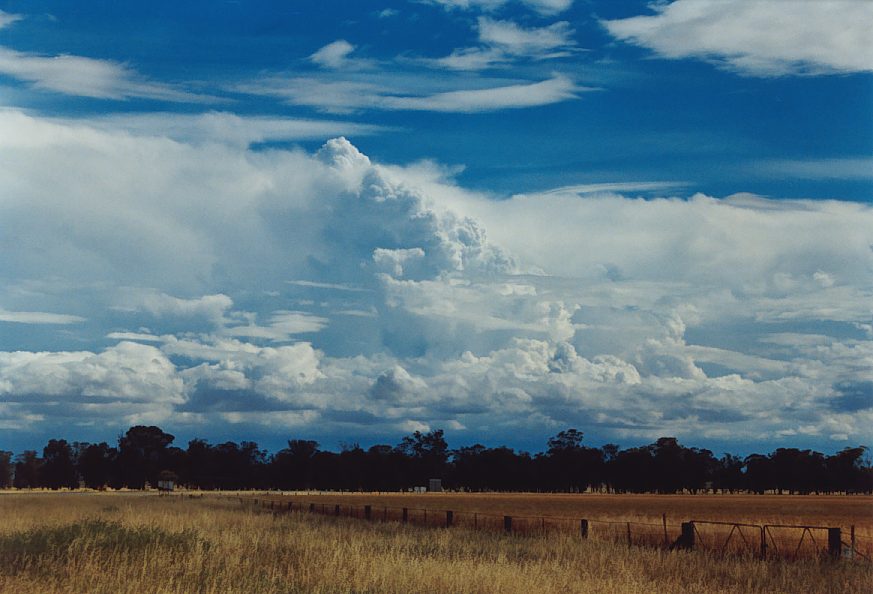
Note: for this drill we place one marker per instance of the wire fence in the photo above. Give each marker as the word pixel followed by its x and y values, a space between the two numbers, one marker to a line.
pixel 761 541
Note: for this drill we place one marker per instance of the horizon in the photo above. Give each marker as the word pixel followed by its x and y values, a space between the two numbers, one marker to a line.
pixel 502 218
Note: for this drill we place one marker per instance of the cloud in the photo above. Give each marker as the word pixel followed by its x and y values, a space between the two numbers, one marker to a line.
pixel 7 18
pixel 554 90
pixel 860 168
pixel 242 286
pixel 506 41
pixel 224 127
pixel 88 77
pixel 544 7
pixel 761 38
pixel 517 40
pixel 282 326
pixel 38 317
pixel 348 96
pixel 125 372
pixel 335 56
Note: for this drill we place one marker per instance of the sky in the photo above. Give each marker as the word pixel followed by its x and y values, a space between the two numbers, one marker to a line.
pixel 349 221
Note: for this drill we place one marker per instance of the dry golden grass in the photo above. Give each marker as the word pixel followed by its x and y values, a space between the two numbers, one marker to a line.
pixel 823 510
pixel 126 543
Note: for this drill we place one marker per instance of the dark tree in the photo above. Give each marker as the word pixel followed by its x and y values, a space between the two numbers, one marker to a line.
pixel 59 466
pixel 6 469
pixel 27 470
pixel 427 454
pixel 96 464
pixel 292 467
pixel 569 466
pixel 142 454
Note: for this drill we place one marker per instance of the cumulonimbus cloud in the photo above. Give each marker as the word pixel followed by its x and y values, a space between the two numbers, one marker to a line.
pixel 216 281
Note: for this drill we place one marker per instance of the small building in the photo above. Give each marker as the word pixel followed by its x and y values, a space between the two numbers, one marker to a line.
pixel 435 486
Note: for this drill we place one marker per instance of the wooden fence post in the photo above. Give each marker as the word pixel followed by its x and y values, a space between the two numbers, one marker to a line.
pixel 666 537
pixel 368 512
pixel 629 541
pixel 583 528
pixel 763 543
pixel 312 508
pixel 290 506
pixel 336 509
pixel 688 536
pixel 507 524
pixel 405 516
pixel 835 543
pixel 450 516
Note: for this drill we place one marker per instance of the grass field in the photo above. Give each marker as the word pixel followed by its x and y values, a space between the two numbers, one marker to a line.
pixel 836 510
pixel 126 543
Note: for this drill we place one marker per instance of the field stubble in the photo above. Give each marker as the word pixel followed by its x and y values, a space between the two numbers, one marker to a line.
pixel 53 543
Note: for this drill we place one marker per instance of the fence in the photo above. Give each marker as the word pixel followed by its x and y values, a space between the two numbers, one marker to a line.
pixel 761 541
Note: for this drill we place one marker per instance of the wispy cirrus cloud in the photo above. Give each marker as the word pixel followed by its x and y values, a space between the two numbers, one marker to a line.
pixel 38 317
pixel 545 7
pixel 505 41
pixel 760 38
pixel 347 96
pixel 7 18
pixel 89 77
pixel 848 168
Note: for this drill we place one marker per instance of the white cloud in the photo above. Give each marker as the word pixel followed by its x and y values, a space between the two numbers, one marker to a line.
pixel 211 307
pixel 224 127
pixel 517 40
pixel 545 7
pixel 759 38
pixel 88 77
pixel 335 56
pixel 554 90
pixel 125 372
pixel 282 326
pixel 422 302
pixel 38 317
pixel 7 18
pixel 506 41
pixel 346 96
pixel 858 168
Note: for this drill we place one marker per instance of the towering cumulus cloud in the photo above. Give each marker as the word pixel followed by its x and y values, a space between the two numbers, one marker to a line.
pixel 207 283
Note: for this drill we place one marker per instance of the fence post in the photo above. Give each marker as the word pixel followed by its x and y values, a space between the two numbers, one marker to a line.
pixel 450 516
pixel 290 506
pixel 583 528
pixel 852 539
pixel 336 509
pixel 368 512
pixel 507 524
pixel 405 516
pixel 835 543
pixel 666 537
pixel 688 536
pixel 763 543
pixel 312 508
pixel 629 541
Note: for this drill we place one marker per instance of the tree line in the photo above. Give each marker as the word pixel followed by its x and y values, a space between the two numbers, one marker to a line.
pixel 144 455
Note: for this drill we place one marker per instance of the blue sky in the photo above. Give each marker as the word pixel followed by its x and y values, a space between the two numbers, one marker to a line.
pixel 348 221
